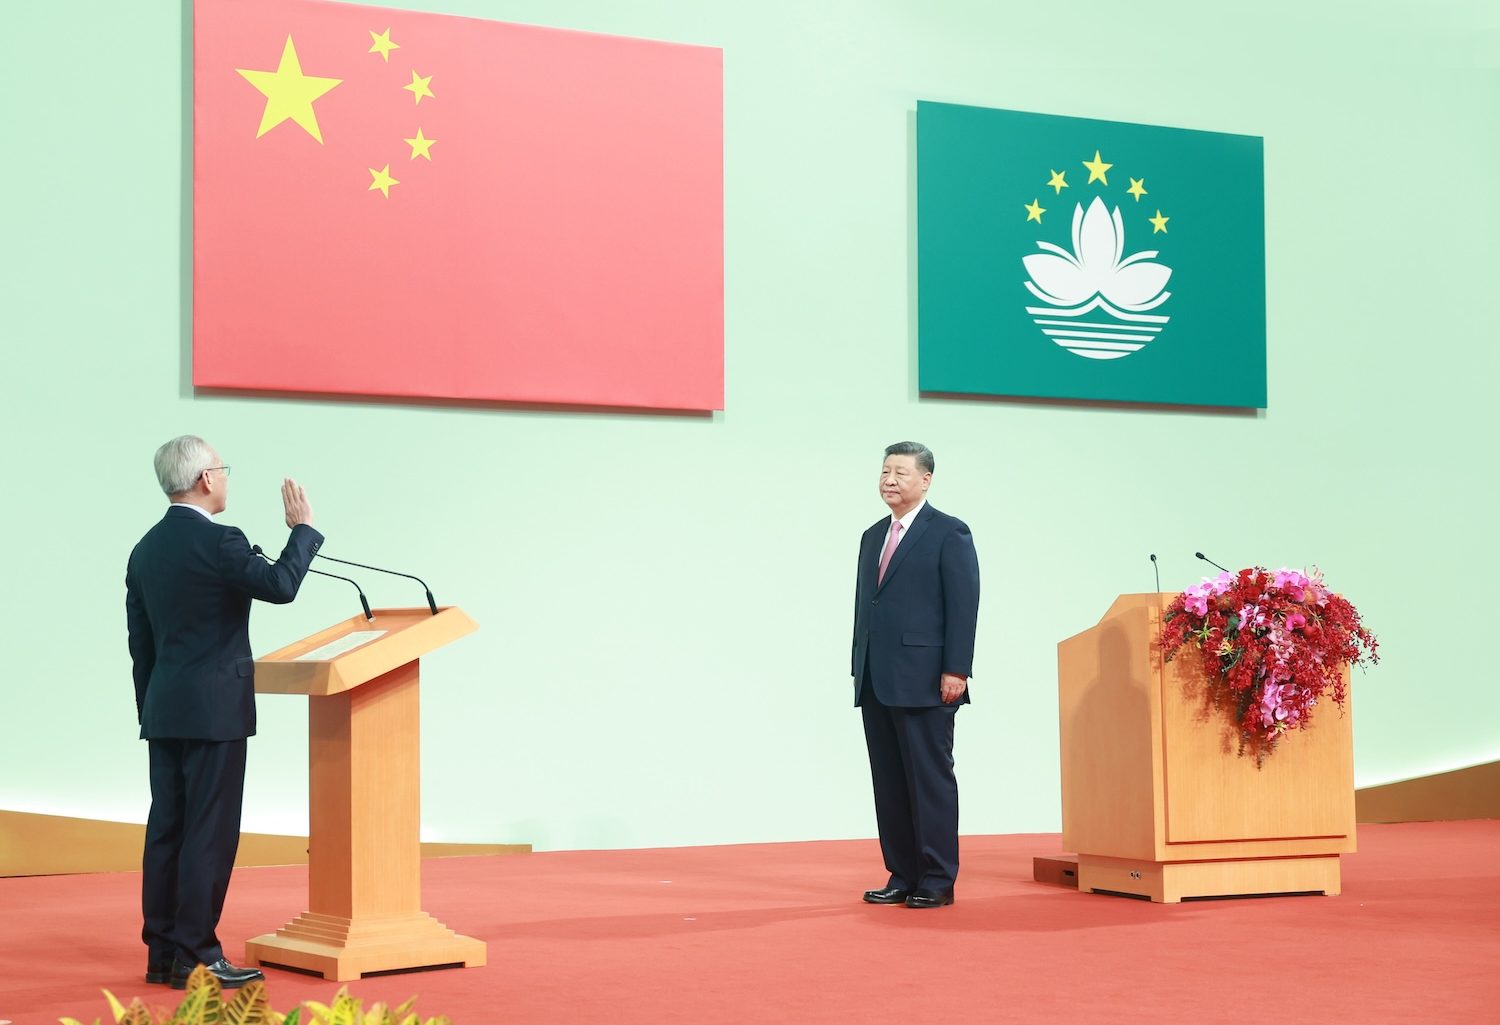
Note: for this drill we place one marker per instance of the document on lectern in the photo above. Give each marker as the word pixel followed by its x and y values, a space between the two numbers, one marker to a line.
pixel 335 648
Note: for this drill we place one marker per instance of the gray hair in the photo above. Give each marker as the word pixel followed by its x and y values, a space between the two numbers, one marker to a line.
pixel 181 461
pixel 913 448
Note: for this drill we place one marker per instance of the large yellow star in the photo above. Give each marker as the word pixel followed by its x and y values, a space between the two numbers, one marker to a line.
pixel 420 147
pixel 1034 211
pixel 1137 188
pixel 1059 182
pixel 418 87
pixel 382 181
pixel 1158 223
pixel 383 45
pixel 1097 168
pixel 289 93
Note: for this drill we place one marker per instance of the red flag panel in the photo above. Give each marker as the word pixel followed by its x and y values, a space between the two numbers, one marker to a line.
pixel 405 204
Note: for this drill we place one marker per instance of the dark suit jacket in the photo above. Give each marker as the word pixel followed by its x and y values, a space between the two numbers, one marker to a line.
pixel 188 588
pixel 919 622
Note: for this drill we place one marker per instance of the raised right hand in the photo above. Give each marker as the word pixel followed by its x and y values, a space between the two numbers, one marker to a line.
pixel 298 508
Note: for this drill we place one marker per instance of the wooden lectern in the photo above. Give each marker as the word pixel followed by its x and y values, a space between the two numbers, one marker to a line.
pixel 364 859
pixel 1156 799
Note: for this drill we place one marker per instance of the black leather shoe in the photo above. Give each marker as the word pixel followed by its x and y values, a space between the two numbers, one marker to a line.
pixel 886 895
pixel 159 969
pixel 228 975
pixel 929 898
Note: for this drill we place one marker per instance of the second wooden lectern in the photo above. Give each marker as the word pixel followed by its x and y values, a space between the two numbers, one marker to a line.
pixel 1157 800
pixel 364 858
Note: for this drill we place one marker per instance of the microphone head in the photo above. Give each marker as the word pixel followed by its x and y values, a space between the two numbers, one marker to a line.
pixel 1153 556
pixel 1200 555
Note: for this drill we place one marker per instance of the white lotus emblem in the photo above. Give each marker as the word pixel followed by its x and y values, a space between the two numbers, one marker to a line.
pixel 1094 277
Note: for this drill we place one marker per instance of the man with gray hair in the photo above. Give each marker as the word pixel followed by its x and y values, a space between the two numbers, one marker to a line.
pixel 188 588
pixel 916 610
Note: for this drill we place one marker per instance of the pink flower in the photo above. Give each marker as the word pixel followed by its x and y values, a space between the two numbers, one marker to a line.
pixel 1316 593
pixel 1195 598
pixel 1270 704
pixel 1296 621
pixel 1291 582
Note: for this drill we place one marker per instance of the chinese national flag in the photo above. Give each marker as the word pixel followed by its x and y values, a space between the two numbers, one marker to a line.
pixel 403 204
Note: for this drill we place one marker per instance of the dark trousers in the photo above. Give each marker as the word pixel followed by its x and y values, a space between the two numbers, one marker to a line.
pixel 192 835
pixel 916 792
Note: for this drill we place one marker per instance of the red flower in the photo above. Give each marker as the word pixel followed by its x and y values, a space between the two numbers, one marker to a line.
pixel 1298 645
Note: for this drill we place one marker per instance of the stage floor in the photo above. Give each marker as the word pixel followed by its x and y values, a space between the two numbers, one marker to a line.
pixel 777 933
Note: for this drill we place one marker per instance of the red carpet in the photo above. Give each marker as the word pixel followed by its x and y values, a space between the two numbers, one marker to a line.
pixel 776 933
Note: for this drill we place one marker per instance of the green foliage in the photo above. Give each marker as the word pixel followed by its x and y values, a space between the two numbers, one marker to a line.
pixel 346 1010
pixel 204 1004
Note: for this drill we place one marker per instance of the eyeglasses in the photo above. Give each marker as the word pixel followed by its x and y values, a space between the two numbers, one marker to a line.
pixel 224 469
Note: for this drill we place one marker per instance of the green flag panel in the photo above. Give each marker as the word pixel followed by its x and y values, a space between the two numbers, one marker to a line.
pixel 1061 257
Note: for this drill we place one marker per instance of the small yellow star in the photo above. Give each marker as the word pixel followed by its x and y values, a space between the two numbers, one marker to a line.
pixel 383 45
pixel 1034 211
pixel 1159 223
pixel 1097 168
pixel 1058 182
pixel 289 93
pixel 383 181
pixel 1137 188
pixel 418 87
pixel 420 147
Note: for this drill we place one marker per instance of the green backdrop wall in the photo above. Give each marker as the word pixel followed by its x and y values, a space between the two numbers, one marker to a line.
pixel 665 601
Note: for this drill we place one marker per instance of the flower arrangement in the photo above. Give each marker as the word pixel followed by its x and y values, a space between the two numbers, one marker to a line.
pixel 1272 643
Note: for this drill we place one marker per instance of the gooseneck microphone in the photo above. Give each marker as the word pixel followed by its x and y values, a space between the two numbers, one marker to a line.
pixel 430 603
pixel 362 599
pixel 1210 561
pixel 1157 570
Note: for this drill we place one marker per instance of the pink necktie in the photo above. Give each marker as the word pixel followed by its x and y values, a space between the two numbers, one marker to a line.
pixel 890 549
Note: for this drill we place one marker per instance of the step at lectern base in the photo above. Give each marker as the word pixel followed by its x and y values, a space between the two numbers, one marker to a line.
pixel 1170 882
pixel 342 950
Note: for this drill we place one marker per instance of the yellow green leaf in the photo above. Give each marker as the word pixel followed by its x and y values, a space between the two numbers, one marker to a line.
pixel 345 1009
pixel 248 1007
pixel 136 1014
pixel 115 1007
pixel 203 981
pixel 190 1011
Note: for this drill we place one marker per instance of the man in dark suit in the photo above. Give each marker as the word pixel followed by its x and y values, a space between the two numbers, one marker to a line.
pixel 188 588
pixel 916 607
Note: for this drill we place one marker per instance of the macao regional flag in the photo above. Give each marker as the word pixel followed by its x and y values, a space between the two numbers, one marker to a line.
pixel 1063 257
pixel 389 203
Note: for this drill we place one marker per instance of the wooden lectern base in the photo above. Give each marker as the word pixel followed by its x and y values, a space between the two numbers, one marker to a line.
pixel 1060 869
pixel 1169 882
pixel 364 859
pixel 342 950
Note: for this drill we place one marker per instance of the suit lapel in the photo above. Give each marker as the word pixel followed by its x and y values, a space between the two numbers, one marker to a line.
pixel 869 565
pixel 918 527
